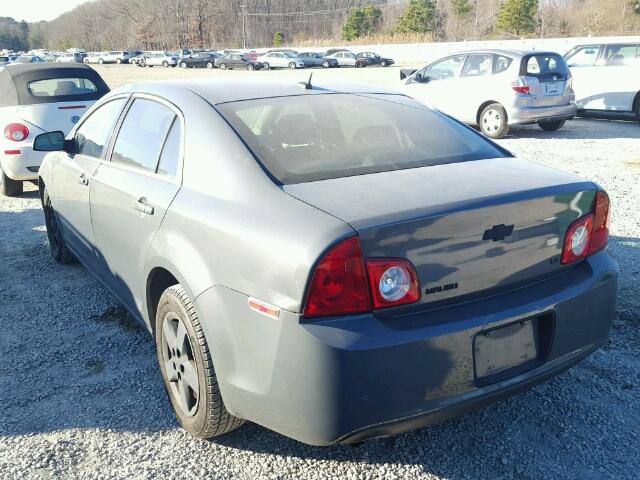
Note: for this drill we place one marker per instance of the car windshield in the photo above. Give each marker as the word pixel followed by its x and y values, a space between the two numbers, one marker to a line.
pixel 58 87
pixel 315 137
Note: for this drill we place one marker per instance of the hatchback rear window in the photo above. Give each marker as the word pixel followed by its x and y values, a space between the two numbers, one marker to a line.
pixel 59 87
pixel 315 137
pixel 544 64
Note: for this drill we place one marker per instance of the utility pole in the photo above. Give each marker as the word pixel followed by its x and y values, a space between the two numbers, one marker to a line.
pixel 244 26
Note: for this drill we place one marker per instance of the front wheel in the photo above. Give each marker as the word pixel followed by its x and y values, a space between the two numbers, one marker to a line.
pixel 325 64
pixel 165 64
pixel 187 368
pixel 209 65
pixel 265 65
pixel 100 61
pixel 118 61
pixel 223 66
pixel 8 186
pixel 551 126
pixel 384 64
pixel 249 67
pixel 183 65
pixel 59 250
pixel 493 121
pixel 292 65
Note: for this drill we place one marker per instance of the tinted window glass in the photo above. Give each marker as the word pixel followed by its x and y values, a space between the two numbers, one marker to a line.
pixel 477 65
pixel 541 65
pixel 583 57
pixel 55 87
pixel 142 135
pixel 92 135
pixel 315 137
pixel 616 55
pixel 170 156
pixel 446 68
pixel 500 63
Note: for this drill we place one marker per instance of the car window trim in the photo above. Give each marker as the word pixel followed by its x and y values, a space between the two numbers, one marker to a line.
pixel 177 179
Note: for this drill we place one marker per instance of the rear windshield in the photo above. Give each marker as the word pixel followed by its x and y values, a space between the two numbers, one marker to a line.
pixel 314 137
pixel 58 87
pixel 545 65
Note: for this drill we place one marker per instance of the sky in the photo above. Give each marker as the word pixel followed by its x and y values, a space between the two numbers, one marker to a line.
pixel 36 10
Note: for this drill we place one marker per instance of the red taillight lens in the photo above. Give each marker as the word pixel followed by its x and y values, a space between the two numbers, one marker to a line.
pixel 520 85
pixel 600 234
pixel 393 282
pixel 16 132
pixel 339 283
pixel 577 239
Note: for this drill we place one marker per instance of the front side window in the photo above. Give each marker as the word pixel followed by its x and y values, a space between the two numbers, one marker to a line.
pixel 142 135
pixel 477 65
pixel 316 137
pixel 445 69
pixel 583 56
pixel 58 87
pixel 94 132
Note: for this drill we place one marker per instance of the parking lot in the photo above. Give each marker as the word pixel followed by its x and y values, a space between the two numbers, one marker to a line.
pixel 82 397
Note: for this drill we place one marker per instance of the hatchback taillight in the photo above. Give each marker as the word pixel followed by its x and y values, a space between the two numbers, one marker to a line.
pixel 589 234
pixel 344 283
pixel 520 85
pixel 16 132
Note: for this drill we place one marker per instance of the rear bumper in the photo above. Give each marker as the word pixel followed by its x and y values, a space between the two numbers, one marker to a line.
pixel 23 166
pixel 523 115
pixel 349 379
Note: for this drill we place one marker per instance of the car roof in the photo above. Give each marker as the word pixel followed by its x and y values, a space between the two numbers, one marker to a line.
pixel 503 51
pixel 216 91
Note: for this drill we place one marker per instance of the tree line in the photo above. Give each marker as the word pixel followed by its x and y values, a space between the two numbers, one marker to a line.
pixel 172 24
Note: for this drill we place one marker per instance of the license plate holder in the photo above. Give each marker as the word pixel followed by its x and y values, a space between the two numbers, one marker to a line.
pixel 504 351
pixel 552 87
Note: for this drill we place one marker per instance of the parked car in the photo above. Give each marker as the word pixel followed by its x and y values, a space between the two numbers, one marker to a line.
pixel 283 50
pixel 331 51
pixel 348 59
pixel 4 60
pixel 37 98
pixel 199 60
pixel 315 59
pixel 274 297
pixel 235 60
pixel 76 57
pixel 94 57
pixel 374 59
pixel 156 59
pixel 606 77
pixel 115 57
pixel 280 60
pixel 496 89
pixel 28 59
pixel 138 59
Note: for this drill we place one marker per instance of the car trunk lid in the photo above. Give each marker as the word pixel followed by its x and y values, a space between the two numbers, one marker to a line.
pixel 54 116
pixel 467 227
pixel 547 76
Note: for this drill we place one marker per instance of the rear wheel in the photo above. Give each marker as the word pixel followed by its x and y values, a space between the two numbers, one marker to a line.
pixel 223 66
pixel 59 250
pixel 100 61
pixel 165 63
pixel 183 65
pixel 249 66
pixel 265 65
pixel 8 186
pixel 325 64
pixel 118 61
pixel 209 65
pixel 292 65
pixel 187 368
pixel 551 126
pixel 384 63
pixel 493 121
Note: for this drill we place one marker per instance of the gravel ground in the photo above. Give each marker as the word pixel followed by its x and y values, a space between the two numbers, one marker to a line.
pixel 81 395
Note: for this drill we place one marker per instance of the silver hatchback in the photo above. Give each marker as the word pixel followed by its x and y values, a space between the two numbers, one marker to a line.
pixel 495 89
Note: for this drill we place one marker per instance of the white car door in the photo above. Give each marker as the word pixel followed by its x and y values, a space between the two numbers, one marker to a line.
pixel 619 64
pixel 589 81
pixel 435 84
pixel 473 84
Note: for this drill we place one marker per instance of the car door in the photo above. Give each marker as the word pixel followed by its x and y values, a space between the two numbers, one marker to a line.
pixel 438 86
pixel 589 81
pixel 131 193
pixel 619 62
pixel 473 86
pixel 73 174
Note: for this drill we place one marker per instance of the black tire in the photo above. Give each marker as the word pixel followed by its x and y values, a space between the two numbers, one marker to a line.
pixel 359 64
pixel 208 416
pixel 552 126
pixel 250 66
pixel 100 61
pixel 325 64
pixel 183 65
pixel 8 186
pixel 223 66
pixel 265 65
pixel 59 250
pixel 209 65
pixel 118 61
pixel 384 63
pixel 292 65
pixel 165 64
pixel 493 121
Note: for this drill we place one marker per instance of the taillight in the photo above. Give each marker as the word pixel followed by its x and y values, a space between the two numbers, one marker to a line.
pixel 588 234
pixel 520 86
pixel 16 132
pixel 569 87
pixel 339 283
pixel 392 282
pixel 344 283
pixel 600 235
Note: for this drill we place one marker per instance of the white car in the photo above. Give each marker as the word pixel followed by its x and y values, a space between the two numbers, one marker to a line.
pixel 348 59
pixel 495 89
pixel 280 60
pixel 157 59
pixel 606 76
pixel 38 98
pixel 94 57
pixel 116 57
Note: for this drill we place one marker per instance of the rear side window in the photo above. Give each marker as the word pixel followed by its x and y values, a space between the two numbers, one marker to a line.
pixel 94 132
pixel 544 65
pixel 170 156
pixel 59 87
pixel 501 63
pixel 477 65
pixel 142 135
pixel 314 137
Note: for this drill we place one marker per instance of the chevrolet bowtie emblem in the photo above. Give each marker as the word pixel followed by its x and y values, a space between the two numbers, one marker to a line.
pixel 498 232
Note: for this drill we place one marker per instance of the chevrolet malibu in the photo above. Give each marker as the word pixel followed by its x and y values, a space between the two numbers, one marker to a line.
pixel 334 262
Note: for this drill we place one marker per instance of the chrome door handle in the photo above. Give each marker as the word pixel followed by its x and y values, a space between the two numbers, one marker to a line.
pixel 142 206
pixel 83 180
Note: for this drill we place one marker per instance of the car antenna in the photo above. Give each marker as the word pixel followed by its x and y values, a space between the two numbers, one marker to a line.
pixel 307 84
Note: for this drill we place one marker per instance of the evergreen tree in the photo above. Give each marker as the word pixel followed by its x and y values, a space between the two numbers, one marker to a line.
pixel 361 22
pixel 419 17
pixel 278 39
pixel 461 8
pixel 517 17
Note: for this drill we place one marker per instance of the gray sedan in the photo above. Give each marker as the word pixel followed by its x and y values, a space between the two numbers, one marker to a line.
pixel 335 263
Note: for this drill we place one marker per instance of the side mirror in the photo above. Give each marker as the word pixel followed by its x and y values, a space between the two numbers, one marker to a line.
pixel 49 142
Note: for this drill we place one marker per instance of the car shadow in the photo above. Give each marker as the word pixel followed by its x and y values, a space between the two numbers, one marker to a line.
pixel 580 129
